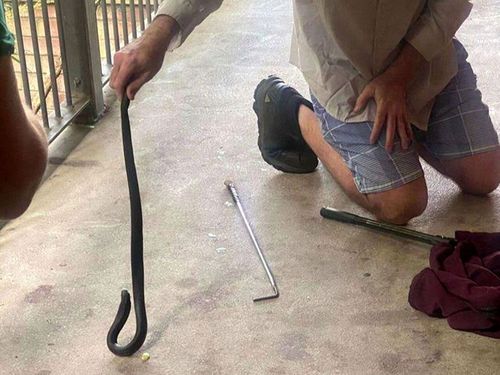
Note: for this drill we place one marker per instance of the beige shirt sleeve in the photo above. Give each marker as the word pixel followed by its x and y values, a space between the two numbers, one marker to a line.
pixel 437 25
pixel 188 14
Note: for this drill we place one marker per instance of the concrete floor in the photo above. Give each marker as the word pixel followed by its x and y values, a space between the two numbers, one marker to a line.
pixel 63 264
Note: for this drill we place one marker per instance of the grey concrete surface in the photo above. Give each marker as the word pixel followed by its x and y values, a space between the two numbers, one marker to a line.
pixel 63 264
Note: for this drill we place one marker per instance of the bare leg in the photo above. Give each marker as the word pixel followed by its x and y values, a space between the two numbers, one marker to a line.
pixel 477 174
pixel 396 206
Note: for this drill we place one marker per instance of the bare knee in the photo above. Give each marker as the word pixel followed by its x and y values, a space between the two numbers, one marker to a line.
pixel 401 212
pixel 478 174
pixel 480 184
pixel 482 188
pixel 400 205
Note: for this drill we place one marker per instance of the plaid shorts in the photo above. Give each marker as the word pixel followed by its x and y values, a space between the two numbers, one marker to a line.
pixel 459 126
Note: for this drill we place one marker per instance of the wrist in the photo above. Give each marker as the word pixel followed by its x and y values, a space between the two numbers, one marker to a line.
pixel 399 75
pixel 405 67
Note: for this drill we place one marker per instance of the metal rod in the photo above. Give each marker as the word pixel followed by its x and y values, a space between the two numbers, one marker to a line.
pixel 114 18
pixel 50 57
pixel 148 11
pixel 124 22
pixel 105 27
pixel 21 53
pixel 38 63
pixel 232 189
pixel 346 217
pixel 132 19
pixel 62 47
pixel 141 15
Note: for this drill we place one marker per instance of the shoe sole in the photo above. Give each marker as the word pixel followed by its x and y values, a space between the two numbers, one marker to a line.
pixel 259 98
pixel 284 167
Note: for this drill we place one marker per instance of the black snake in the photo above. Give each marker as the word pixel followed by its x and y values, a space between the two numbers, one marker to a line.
pixel 136 254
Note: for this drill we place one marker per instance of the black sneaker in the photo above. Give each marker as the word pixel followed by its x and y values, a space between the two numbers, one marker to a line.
pixel 280 140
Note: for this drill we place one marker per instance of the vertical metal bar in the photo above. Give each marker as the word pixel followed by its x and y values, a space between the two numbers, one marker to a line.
pixel 105 27
pixel 114 17
pixel 124 22
pixel 93 72
pixel 148 11
pixel 141 15
pixel 132 18
pixel 38 63
pixel 79 26
pixel 20 51
pixel 156 5
pixel 50 57
pixel 62 46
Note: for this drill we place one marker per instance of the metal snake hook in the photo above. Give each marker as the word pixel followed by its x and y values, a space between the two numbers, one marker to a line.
pixel 136 254
pixel 236 198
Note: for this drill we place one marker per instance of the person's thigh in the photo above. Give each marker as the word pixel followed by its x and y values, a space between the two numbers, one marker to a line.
pixel 374 169
pixel 461 141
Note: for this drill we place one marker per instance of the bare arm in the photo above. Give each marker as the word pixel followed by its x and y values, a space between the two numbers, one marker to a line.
pixel 23 147
pixel 138 62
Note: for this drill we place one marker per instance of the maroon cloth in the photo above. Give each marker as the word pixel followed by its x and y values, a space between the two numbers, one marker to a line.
pixel 462 283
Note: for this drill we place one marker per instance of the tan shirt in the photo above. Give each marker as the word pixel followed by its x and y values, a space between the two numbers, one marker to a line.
pixel 341 45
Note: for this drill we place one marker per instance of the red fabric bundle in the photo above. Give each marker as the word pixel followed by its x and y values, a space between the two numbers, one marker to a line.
pixel 462 284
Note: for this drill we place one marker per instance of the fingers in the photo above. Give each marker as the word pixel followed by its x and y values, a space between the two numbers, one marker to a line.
pixel 409 130
pixel 390 100
pixel 114 71
pixel 126 71
pixel 404 132
pixel 135 85
pixel 379 123
pixel 395 124
pixel 389 132
pixel 133 67
pixel 367 93
pixel 124 75
pixel 381 117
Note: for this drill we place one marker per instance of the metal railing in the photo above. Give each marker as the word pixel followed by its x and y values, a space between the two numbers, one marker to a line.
pixel 64 53
pixel 116 19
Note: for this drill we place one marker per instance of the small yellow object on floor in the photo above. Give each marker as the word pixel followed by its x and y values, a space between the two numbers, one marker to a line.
pixel 145 357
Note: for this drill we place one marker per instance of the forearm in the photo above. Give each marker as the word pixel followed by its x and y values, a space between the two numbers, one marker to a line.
pixel 139 61
pixel 188 14
pixel 22 167
pixel 23 148
pixel 161 32
pixel 23 161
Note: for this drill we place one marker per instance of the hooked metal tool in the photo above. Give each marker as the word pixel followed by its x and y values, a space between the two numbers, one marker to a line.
pixel 347 217
pixel 236 198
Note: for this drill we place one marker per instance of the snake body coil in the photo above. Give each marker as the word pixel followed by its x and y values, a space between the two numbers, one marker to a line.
pixel 136 253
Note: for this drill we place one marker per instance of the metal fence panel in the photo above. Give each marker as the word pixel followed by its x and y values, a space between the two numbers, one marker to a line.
pixel 64 52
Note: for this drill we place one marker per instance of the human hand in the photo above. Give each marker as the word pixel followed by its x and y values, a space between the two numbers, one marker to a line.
pixel 138 62
pixel 389 92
